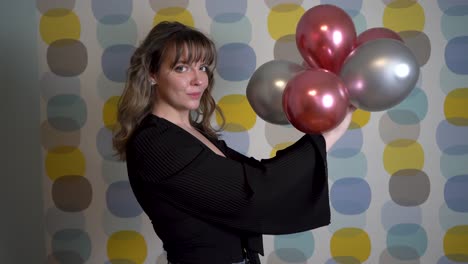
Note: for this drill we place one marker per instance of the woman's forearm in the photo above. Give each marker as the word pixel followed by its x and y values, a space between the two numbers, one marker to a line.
pixel 332 136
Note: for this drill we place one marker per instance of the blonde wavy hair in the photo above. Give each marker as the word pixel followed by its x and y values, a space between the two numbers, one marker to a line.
pixel 137 99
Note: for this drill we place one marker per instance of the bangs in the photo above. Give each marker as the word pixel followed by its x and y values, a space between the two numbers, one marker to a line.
pixel 191 47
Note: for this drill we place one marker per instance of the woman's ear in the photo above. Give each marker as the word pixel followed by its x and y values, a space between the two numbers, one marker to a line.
pixel 153 80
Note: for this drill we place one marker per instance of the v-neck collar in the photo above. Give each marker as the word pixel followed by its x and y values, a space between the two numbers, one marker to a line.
pixel 215 142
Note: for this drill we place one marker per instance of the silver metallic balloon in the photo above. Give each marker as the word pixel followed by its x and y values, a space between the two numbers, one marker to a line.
pixel 266 86
pixel 380 74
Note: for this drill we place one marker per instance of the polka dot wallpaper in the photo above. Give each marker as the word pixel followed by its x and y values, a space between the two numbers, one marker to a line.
pixel 398 178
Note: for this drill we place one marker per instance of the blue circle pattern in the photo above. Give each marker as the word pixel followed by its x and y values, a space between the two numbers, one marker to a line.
pixel 113 13
pixel 239 141
pixel 67 112
pixel 398 219
pixel 455 193
pixel 57 219
pixel 121 201
pixel 112 223
pixel 445 260
pixel 110 35
pixel 456 56
pixel 393 214
pixel 352 7
pixel 412 110
pixel 104 144
pixel 115 61
pixel 296 247
pixel 339 168
pixel 239 31
pixel 451 165
pixel 226 11
pixel 407 241
pixel 350 196
pixel 451 139
pixel 52 85
pixel 72 243
pixel 449 218
pixel 450 81
pixel 349 145
pixel 236 61
pixel 453 7
pixel 453 26
pixel 117 34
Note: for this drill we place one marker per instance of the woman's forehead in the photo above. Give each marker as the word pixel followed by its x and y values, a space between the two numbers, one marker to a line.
pixel 187 53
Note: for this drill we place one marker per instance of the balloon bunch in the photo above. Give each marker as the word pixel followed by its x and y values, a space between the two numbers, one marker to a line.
pixel 373 71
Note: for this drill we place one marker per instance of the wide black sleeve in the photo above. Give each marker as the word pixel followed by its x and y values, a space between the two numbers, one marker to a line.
pixel 284 194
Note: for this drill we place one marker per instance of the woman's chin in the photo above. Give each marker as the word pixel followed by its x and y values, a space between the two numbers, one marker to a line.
pixel 194 106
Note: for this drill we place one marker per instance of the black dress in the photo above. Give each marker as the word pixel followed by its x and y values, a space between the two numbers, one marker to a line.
pixel 209 209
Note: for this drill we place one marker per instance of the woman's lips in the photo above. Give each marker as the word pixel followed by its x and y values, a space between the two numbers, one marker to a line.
pixel 195 95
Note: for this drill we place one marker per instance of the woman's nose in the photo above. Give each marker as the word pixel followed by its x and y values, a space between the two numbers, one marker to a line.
pixel 197 78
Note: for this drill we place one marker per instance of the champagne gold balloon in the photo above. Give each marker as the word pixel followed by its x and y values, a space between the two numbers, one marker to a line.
pixel 380 74
pixel 266 86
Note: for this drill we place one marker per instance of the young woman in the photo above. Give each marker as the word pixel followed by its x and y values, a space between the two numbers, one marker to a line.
pixel 207 202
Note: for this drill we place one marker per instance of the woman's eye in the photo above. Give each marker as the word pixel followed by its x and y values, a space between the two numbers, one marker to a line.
pixel 181 68
pixel 204 68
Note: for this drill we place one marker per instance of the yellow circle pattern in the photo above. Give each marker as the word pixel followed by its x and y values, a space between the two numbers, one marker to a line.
pixel 59 24
pixel 109 112
pixel 129 246
pixel 278 147
pixel 347 245
pixel 456 243
pixel 403 154
pixel 283 19
pixel 408 17
pixel 238 113
pixel 350 245
pixel 178 14
pixel 360 119
pixel 455 107
pixel 64 160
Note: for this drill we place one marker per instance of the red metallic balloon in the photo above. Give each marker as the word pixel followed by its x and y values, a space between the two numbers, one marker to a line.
pixel 307 66
pixel 315 101
pixel 325 35
pixel 376 33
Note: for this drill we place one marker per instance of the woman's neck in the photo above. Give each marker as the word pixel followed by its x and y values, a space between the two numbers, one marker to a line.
pixel 180 118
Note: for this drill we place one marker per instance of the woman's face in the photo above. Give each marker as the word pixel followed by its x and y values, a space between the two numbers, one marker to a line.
pixel 181 86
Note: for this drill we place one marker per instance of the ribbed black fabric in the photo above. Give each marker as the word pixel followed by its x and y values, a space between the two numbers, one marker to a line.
pixel 206 208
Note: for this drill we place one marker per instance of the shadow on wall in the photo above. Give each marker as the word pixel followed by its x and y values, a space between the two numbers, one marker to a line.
pixel 21 227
